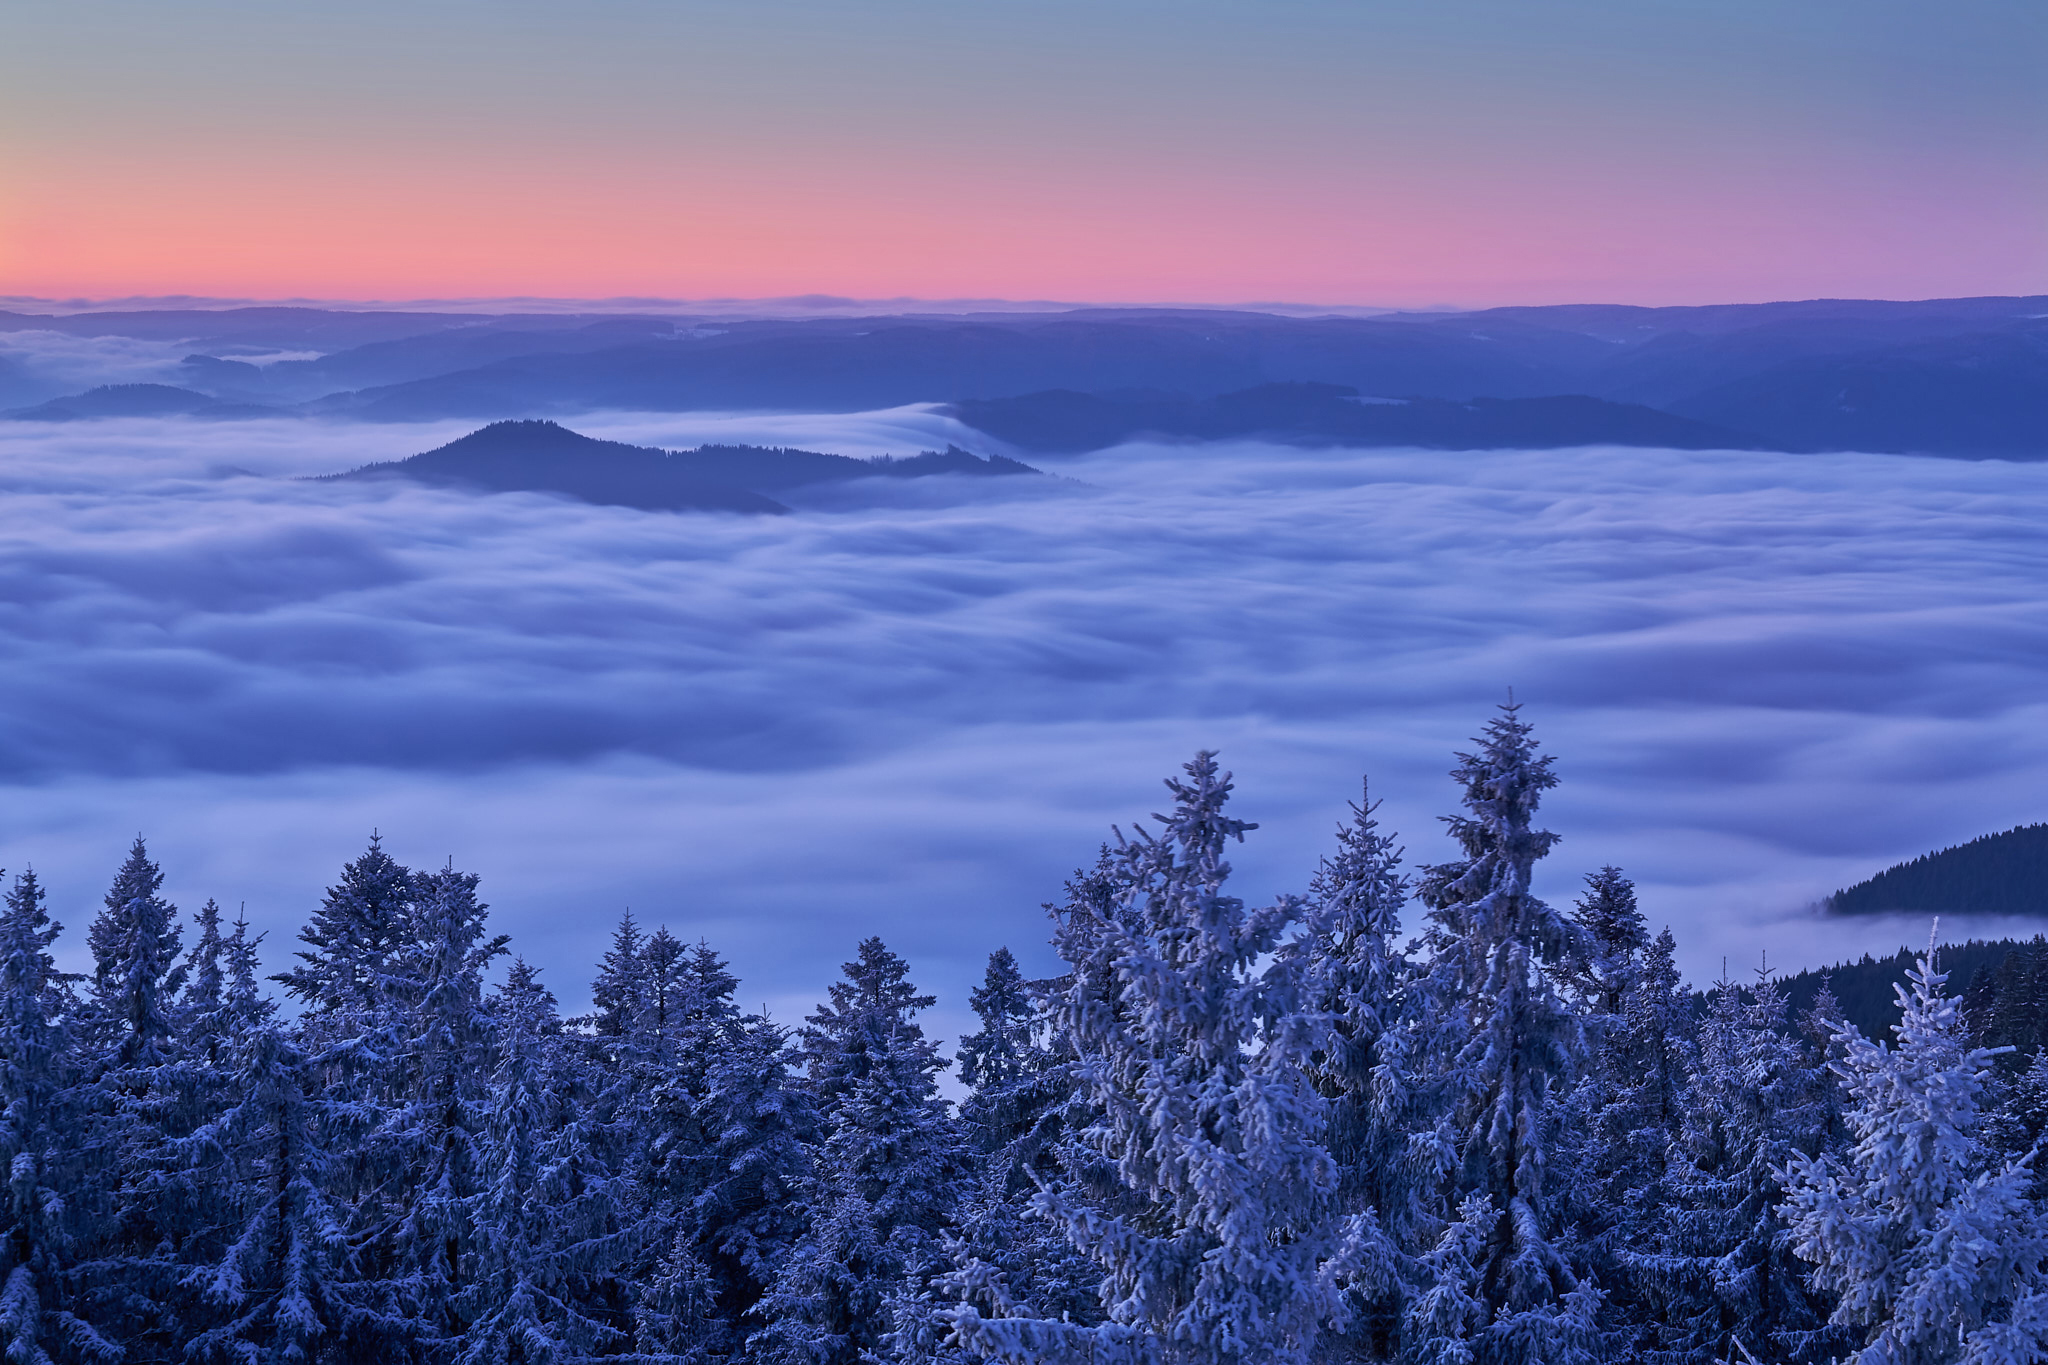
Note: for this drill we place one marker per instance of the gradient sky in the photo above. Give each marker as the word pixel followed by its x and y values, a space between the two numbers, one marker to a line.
pixel 1398 152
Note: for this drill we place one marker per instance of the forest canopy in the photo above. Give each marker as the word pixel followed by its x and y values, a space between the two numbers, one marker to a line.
pixel 1248 1135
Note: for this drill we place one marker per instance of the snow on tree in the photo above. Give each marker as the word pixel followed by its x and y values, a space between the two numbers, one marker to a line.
pixel 1017 1121
pixel 744 1213
pixel 1357 977
pixel 1754 1102
pixel 884 1177
pixel 1218 1235
pixel 278 1288
pixel 136 976
pixel 619 994
pixel 1506 1046
pixel 362 923
pixel 444 1046
pixel 36 1317
pixel 1926 1235
pixel 548 1220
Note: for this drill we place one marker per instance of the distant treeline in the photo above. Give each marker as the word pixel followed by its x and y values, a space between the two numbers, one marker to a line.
pixel 2003 982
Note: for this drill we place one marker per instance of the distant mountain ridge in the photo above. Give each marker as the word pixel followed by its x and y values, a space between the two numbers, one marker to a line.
pixel 545 457
pixel 1960 377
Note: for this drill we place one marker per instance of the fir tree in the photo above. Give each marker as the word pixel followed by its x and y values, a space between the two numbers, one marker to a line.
pixel 1357 978
pixel 1009 1261
pixel 1220 1238
pixel 619 993
pixel 547 1218
pixel 363 922
pixel 1753 1103
pixel 37 1323
pixel 1928 1238
pixel 734 1235
pixel 436 1130
pixel 135 973
pixel 884 1177
pixel 1507 1048
pixel 279 1286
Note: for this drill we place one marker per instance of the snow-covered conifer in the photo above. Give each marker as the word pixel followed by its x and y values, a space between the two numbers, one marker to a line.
pixel 1217 1231
pixel 1356 977
pixel 362 923
pixel 1506 1045
pixel 884 1178
pixel 1928 1238
pixel 37 1323
pixel 1754 1102
pixel 278 1289
pixel 445 1045
pixel 548 1221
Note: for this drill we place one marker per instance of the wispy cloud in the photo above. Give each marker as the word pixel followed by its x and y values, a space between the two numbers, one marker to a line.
pixel 911 713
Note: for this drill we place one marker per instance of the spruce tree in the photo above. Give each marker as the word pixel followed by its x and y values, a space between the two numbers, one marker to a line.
pixel 1357 979
pixel 1009 1260
pixel 1928 1238
pixel 445 1045
pixel 279 1288
pixel 37 1321
pixel 884 1176
pixel 548 1220
pixel 361 925
pixel 1506 1046
pixel 732 1238
pixel 1218 1234
pixel 1754 1102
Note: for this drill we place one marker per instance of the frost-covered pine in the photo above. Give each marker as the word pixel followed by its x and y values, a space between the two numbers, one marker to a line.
pixel 1009 1260
pixel 444 1045
pixel 548 1226
pixel 1356 976
pixel 1928 1238
pixel 136 976
pixel 36 1318
pixel 742 1212
pixel 885 1176
pixel 1505 1046
pixel 278 1290
pixel 1216 1227
pixel 1725 1263
pixel 362 923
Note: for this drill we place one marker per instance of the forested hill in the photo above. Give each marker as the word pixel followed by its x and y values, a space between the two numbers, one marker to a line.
pixel 2003 984
pixel 1999 874
pixel 544 457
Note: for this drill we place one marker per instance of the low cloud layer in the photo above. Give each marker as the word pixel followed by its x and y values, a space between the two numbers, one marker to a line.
pixel 913 708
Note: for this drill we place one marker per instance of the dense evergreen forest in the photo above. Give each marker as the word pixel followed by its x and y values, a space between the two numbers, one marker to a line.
pixel 1225 1133
pixel 1999 874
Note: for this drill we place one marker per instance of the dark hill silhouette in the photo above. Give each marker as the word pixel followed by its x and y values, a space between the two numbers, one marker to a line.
pixel 540 456
pixel 1331 414
pixel 1999 874
pixel 137 400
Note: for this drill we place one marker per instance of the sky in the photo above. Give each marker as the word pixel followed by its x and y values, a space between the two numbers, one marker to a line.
pixel 1405 153
pixel 914 708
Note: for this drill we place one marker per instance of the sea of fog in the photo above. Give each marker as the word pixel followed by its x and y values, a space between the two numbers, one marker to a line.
pixel 912 708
